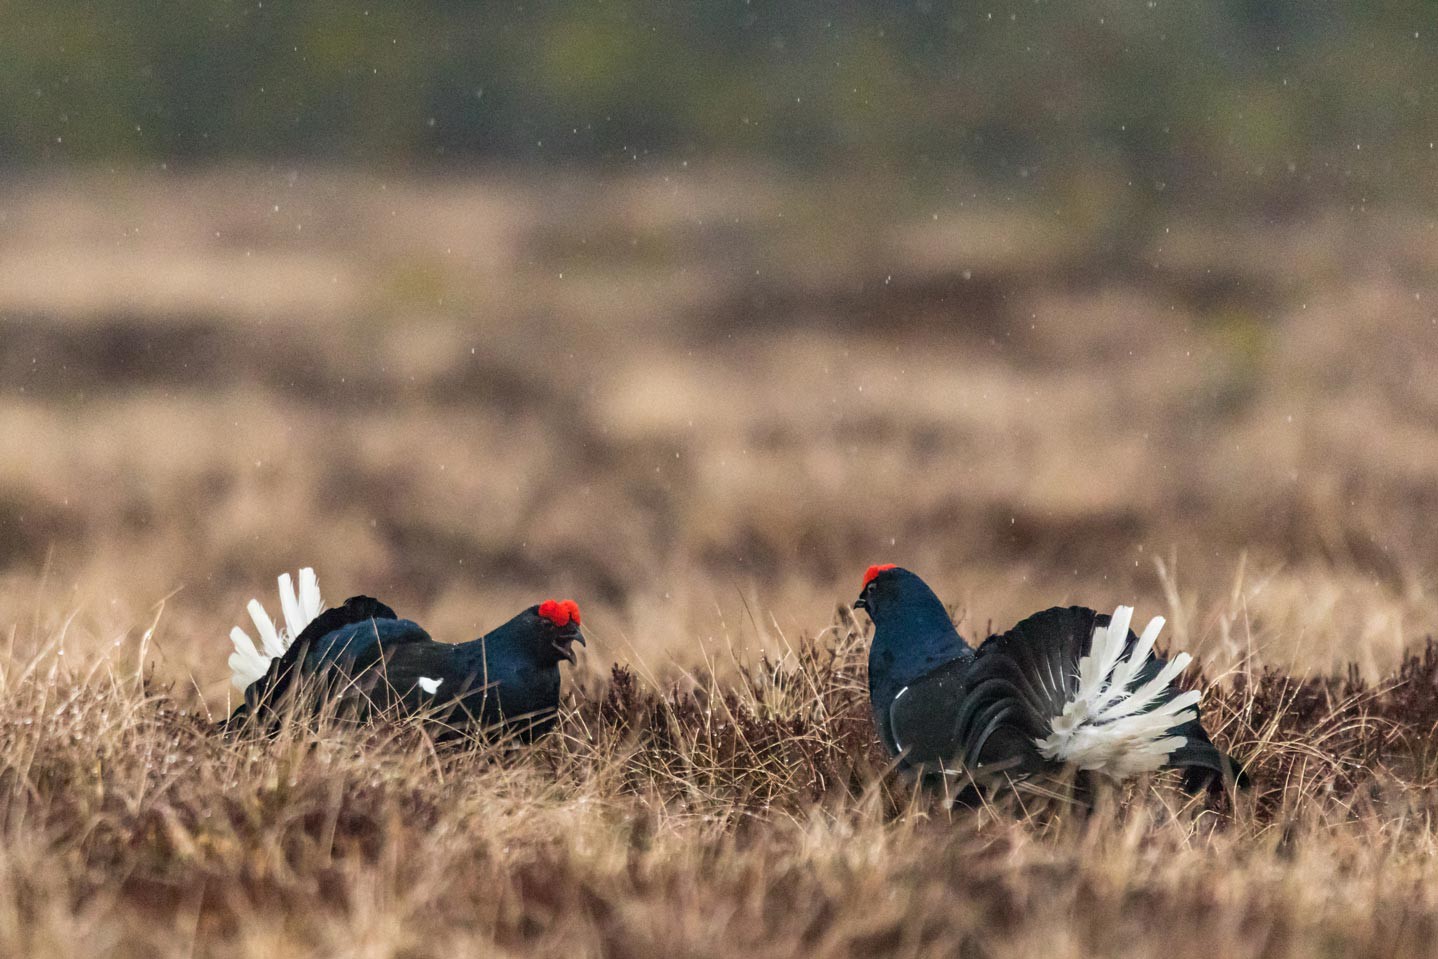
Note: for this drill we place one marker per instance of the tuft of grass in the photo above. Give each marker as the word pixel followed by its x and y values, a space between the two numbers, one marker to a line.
pixel 739 807
pixel 703 420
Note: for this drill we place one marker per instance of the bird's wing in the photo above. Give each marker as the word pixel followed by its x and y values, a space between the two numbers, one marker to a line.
pixel 1045 650
pixel 420 674
pixel 347 639
pixel 976 718
pixel 457 691
pixel 1064 686
pixel 356 609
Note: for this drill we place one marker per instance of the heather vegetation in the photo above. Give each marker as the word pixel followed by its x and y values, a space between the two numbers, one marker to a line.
pixel 464 395
pixel 692 312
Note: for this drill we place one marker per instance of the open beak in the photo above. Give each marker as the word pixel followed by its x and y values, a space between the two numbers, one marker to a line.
pixel 564 646
pixel 860 604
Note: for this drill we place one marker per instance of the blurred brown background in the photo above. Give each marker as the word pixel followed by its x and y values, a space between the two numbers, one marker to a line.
pixel 1129 304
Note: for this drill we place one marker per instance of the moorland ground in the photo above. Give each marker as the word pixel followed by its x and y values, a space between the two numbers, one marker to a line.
pixel 701 404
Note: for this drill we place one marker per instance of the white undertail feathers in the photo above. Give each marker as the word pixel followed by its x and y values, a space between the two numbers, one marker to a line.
pixel 299 608
pixel 1112 726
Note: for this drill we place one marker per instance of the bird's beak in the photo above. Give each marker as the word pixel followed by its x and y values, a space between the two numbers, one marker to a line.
pixel 860 604
pixel 564 645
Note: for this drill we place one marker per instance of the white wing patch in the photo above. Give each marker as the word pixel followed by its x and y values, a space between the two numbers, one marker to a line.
pixel 430 686
pixel 1105 727
pixel 299 608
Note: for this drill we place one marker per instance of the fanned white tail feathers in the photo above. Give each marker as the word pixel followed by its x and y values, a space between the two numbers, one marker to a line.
pixel 299 608
pixel 1109 725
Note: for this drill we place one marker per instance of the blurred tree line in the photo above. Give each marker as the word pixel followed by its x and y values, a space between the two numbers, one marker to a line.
pixel 1267 101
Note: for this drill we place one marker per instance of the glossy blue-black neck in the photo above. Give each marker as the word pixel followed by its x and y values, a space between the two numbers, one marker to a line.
pixel 522 641
pixel 913 634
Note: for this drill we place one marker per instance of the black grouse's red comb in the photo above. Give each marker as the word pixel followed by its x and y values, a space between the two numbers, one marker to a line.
pixel 560 612
pixel 874 571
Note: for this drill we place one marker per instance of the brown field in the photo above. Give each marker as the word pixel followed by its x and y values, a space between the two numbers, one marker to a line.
pixel 701 404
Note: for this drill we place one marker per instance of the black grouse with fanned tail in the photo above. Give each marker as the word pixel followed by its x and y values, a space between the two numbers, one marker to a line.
pixel 1067 688
pixel 361 658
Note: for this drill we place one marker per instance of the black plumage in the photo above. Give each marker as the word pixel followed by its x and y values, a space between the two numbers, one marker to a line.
pixel 1024 705
pixel 360 658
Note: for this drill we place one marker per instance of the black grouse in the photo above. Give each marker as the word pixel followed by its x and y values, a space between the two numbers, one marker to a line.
pixel 1067 688
pixel 363 658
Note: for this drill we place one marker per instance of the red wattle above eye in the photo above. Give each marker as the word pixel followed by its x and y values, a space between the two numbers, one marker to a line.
pixel 873 571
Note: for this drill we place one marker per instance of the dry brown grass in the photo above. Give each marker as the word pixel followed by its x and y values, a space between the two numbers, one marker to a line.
pixel 701 405
pixel 730 814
